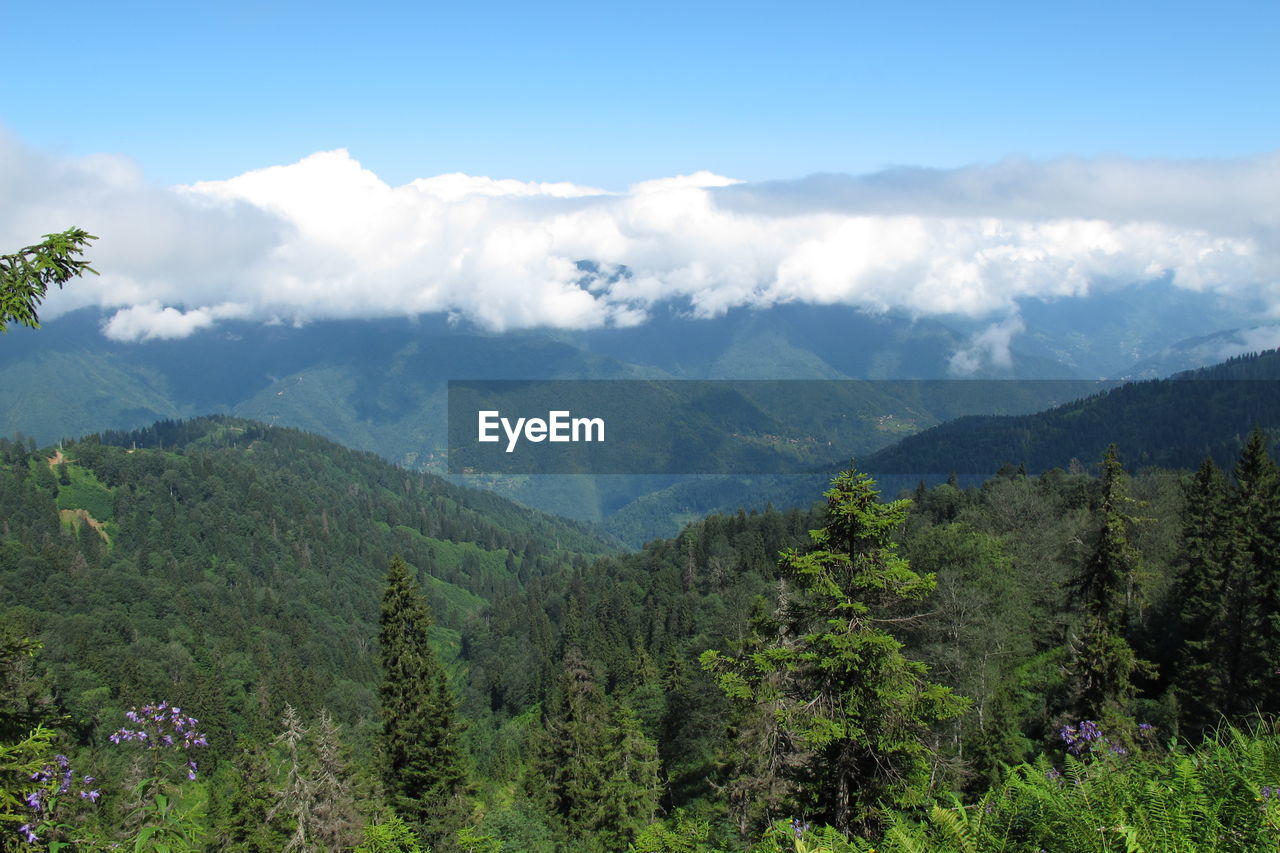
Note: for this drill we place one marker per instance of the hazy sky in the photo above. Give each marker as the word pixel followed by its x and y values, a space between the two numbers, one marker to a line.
pixel 315 161
pixel 608 94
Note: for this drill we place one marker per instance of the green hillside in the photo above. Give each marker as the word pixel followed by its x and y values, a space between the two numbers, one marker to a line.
pixel 657 699
pixel 226 555
pixel 1173 423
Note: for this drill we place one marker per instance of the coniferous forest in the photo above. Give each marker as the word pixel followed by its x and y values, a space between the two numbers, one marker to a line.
pixel 223 636
pixel 579 427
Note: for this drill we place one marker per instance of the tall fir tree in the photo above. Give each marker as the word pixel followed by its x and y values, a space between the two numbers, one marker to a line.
pixel 854 709
pixel 1257 518
pixel 423 768
pixel 1103 664
pixel 1211 603
pixel 596 770
pixel 246 822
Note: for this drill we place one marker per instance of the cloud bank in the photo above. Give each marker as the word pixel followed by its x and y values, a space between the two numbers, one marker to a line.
pixel 326 238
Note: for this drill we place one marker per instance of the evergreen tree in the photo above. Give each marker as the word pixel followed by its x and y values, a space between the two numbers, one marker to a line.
pixel 596 770
pixel 1212 601
pixel 25 275
pixel 1257 517
pixel 422 769
pixel 629 797
pixel 248 825
pixel 337 824
pixel 1106 588
pixel 853 708
pixel 298 798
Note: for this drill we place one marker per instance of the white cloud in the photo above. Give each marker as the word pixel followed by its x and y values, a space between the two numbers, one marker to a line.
pixel 326 238
pixel 989 348
pixel 1248 341
pixel 152 322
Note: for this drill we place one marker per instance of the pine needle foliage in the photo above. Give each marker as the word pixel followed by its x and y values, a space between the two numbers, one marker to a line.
pixel 846 698
pixel 25 275
pixel 423 769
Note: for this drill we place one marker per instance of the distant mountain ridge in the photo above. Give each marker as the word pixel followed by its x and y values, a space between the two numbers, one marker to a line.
pixel 1171 423
pixel 379 385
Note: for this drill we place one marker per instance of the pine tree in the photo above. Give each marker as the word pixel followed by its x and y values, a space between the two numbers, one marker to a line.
pixel 422 769
pixel 629 797
pixel 1211 602
pixel 853 708
pixel 1257 517
pixel 337 824
pixel 596 769
pixel 1106 589
pixel 297 799
pixel 245 826
pixel 1229 591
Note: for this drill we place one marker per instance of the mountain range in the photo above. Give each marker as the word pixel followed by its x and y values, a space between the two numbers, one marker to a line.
pixel 379 385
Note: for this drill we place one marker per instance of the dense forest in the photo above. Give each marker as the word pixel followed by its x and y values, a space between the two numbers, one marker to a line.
pixel 223 636
pixel 1170 423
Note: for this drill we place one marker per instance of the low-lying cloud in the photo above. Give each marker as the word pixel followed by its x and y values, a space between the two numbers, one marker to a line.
pixel 325 238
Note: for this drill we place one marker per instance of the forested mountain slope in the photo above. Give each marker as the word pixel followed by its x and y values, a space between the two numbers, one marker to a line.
pixel 236 569
pixel 1173 423
pixel 225 561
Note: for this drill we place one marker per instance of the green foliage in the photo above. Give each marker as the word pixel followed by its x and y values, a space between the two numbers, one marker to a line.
pixel 423 767
pixel 597 771
pixel 83 490
pixel 25 275
pixel 1257 514
pixel 1106 589
pixel 851 709
pixel 1219 797
pixel 168 825
pixel 798 836
pixel 244 824
pixel 1165 422
pixel 390 834
pixel 682 833
pixel 1227 591
pixel 20 760
pixel 470 839
pixel 239 579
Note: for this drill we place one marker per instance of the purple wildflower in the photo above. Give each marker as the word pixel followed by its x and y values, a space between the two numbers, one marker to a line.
pixel 1079 739
pixel 160 726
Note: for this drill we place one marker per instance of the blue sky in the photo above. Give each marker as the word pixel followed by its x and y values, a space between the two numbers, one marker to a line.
pixel 609 94
pixel 290 163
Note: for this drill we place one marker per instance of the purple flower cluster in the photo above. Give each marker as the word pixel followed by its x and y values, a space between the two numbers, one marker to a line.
pixel 162 725
pixel 38 800
pixel 1087 737
pixel 1080 739
pixel 799 827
